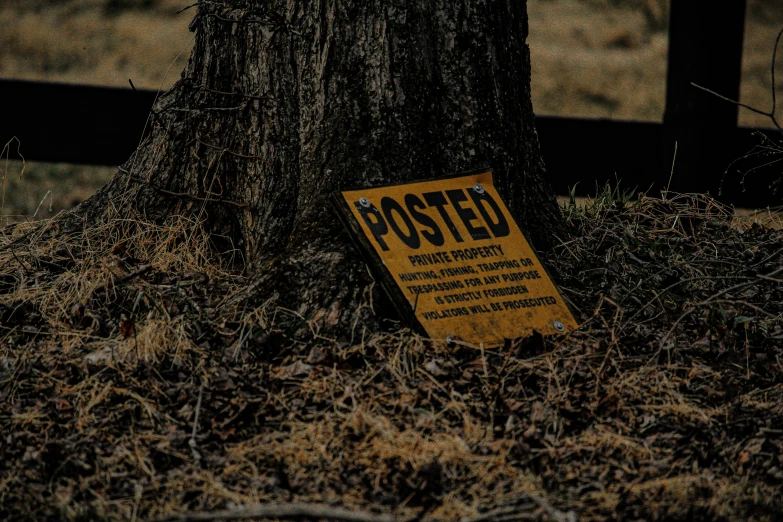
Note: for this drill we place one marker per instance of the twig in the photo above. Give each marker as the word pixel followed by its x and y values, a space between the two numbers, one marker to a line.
pixel 745 303
pixel 493 396
pixel 743 285
pixel 237 154
pixel 292 510
pixel 772 67
pixel 269 23
pixel 671 174
pixel 192 442
pixel 771 113
pixel 138 490
pixel 186 8
pixel 217 109
pixel 23 265
pixel 124 279
pixel 556 514
pixel 735 102
pixel 690 280
pixel 773 279
pixel 611 332
pixel 243 20
pixel 511 512
pixel 24 237
pixel 715 299
pixel 139 271
pixel 184 195
pixel 225 93
pixel 495 514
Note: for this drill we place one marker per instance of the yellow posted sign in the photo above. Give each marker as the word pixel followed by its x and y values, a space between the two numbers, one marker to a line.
pixel 459 259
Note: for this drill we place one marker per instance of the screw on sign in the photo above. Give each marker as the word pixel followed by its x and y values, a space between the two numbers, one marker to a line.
pixel 450 254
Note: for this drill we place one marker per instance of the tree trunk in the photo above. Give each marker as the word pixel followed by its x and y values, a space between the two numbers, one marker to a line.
pixel 284 102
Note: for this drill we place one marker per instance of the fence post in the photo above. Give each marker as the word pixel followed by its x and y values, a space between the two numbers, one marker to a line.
pixel 705 47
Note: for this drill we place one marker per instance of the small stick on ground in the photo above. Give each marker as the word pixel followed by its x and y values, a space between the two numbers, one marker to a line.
pixel 192 442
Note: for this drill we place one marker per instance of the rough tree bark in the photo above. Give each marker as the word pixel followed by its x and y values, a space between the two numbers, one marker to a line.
pixel 285 101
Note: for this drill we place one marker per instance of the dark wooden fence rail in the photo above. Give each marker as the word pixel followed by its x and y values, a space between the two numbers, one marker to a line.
pixel 100 125
pixel 73 123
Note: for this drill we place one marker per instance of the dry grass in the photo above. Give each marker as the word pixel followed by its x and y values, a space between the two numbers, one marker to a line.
pixel 741 217
pixel 590 58
pixel 36 191
pixel 664 405
pixel 769 217
pixel 102 42
pixel 602 58
pixel 597 59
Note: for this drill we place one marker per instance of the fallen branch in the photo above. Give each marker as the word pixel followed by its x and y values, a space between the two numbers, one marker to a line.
pixel 292 510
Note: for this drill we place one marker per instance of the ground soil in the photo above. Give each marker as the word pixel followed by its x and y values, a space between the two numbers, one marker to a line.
pixel 138 379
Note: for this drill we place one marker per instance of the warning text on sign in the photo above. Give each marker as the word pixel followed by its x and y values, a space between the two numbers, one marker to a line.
pixel 460 260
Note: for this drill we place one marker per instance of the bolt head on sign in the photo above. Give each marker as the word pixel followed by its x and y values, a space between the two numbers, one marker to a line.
pixel 450 254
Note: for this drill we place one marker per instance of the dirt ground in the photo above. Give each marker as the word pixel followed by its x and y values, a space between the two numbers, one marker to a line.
pixel 597 58
pixel 139 380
